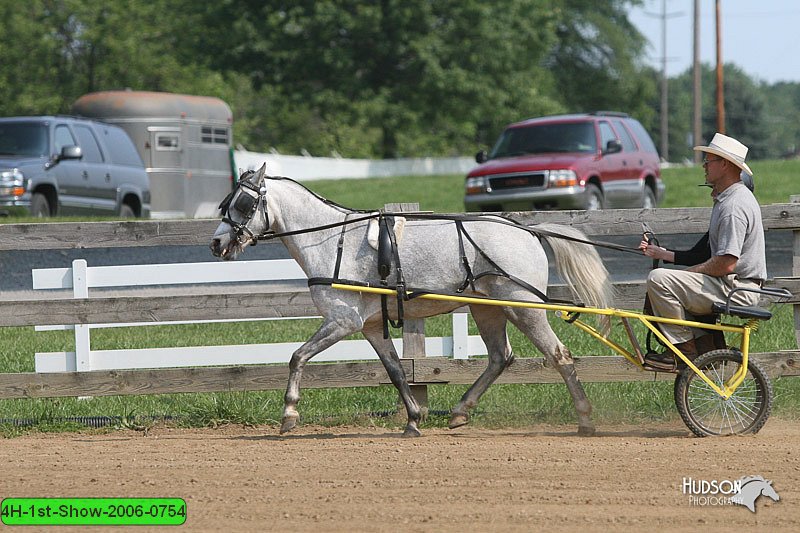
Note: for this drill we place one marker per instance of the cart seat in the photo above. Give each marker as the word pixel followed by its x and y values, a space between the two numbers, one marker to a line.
pixel 742 312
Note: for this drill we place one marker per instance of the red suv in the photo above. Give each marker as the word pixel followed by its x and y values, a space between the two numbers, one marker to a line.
pixel 584 161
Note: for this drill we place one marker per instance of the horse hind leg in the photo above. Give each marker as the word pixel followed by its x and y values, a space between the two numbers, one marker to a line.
pixel 491 322
pixel 533 323
pixel 330 332
pixel 373 332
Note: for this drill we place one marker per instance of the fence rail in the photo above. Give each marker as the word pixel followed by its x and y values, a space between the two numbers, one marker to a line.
pixel 294 303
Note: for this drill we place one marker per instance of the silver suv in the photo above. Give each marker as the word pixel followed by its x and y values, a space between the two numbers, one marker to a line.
pixel 69 166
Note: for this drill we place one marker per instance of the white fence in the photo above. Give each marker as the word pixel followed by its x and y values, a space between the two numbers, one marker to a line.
pixel 81 278
pixel 324 168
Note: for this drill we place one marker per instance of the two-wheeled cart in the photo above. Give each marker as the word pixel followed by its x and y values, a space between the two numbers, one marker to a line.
pixel 721 392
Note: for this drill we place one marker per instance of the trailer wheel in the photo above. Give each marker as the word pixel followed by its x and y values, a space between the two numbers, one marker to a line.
pixel 706 413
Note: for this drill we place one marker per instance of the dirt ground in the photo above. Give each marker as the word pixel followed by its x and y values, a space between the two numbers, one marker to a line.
pixel 369 479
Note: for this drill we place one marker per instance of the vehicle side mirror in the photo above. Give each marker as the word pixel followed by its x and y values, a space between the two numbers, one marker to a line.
pixel 613 146
pixel 481 157
pixel 67 152
pixel 71 152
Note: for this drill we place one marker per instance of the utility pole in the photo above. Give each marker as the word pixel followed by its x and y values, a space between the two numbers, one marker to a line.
pixel 697 99
pixel 664 111
pixel 720 75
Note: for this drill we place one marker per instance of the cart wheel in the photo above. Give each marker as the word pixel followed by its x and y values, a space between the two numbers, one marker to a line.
pixel 706 413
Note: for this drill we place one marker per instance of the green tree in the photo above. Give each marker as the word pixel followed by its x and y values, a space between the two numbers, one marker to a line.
pixel 56 50
pixel 745 112
pixel 782 116
pixel 427 77
pixel 597 59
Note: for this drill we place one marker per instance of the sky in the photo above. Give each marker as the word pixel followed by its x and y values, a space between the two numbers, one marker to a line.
pixel 761 37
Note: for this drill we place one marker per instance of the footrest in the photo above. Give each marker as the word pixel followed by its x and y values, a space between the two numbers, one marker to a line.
pixel 742 312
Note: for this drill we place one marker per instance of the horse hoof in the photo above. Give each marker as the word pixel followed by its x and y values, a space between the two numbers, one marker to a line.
pixel 456 421
pixel 586 431
pixel 288 425
pixel 411 432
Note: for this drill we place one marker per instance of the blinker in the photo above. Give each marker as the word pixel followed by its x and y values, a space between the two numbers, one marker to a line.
pixel 244 203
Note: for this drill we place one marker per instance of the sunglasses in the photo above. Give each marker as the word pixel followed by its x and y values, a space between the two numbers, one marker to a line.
pixel 707 161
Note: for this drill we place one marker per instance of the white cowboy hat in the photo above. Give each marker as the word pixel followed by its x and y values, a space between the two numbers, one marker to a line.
pixel 727 148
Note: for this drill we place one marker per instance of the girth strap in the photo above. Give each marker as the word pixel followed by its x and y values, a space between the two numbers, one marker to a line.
pixel 388 251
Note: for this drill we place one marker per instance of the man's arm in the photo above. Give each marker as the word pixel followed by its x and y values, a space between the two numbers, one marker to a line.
pixel 718 266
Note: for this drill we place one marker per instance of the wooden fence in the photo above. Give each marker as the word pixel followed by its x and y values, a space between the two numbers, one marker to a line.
pixel 420 370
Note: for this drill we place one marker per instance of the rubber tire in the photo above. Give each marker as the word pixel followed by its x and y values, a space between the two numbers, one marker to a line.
pixel 757 384
pixel 594 198
pixel 40 207
pixel 648 198
pixel 126 211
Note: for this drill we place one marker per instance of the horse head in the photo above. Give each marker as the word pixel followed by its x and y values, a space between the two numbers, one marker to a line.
pixel 244 216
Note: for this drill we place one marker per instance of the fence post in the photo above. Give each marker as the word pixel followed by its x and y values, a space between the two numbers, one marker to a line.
pixel 80 289
pixel 795 199
pixel 413 331
pixel 460 335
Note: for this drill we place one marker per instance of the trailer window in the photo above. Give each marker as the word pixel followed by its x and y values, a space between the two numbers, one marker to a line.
pixel 168 141
pixel 214 135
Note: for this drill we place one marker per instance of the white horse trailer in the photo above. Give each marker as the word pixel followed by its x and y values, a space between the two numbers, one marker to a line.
pixel 185 142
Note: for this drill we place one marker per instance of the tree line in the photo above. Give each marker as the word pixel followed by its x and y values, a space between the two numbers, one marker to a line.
pixel 372 79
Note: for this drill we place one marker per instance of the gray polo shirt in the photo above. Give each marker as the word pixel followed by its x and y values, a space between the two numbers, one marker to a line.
pixel 736 229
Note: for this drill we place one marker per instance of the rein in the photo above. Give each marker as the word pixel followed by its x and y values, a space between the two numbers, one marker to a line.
pixel 259 198
pixel 497 219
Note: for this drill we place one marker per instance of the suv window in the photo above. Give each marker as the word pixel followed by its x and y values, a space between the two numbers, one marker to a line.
pixel 23 138
pixel 606 134
pixel 627 141
pixel 641 135
pixel 63 137
pixel 91 151
pixel 546 138
pixel 122 149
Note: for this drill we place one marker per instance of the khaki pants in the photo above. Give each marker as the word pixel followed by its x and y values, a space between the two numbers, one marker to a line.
pixel 686 295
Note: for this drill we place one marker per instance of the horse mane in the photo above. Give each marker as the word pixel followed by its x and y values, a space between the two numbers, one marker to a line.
pixel 750 479
pixel 319 197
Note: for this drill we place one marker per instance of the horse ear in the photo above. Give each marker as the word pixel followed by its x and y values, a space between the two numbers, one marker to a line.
pixel 259 175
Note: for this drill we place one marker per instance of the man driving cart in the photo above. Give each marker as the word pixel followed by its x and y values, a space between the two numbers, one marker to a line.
pixel 733 258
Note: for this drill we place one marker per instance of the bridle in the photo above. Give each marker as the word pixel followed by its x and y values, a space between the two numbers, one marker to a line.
pixel 250 201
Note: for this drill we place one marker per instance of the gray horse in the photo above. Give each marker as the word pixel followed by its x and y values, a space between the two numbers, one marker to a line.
pixel 433 254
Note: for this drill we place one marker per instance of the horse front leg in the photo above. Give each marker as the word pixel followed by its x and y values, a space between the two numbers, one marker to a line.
pixel 332 331
pixel 373 332
pixel 491 322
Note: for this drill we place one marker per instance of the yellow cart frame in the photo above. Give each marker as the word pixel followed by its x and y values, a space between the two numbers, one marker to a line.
pixel 570 314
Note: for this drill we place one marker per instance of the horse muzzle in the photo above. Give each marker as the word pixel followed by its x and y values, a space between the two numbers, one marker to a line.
pixel 220 250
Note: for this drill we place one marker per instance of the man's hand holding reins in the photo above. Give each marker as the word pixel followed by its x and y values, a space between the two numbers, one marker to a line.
pixel 656 252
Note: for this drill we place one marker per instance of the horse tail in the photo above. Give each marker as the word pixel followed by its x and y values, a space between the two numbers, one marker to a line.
pixel 580 266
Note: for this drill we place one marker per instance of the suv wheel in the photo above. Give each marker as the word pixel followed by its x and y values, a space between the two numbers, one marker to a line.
pixel 40 207
pixel 126 211
pixel 594 197
pixel 648 198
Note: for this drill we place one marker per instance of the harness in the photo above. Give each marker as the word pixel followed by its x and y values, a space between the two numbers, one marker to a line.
pixel 250 200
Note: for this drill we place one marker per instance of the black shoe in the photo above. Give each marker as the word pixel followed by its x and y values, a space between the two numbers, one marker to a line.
pixel 661 362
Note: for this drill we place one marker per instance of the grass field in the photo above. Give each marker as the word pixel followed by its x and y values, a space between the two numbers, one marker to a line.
pixel 775 182
pixel 502 405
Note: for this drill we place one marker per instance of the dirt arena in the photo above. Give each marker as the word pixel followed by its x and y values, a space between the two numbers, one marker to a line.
pixel 365 479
